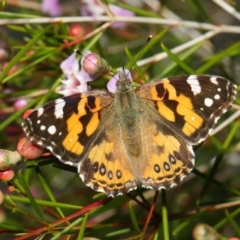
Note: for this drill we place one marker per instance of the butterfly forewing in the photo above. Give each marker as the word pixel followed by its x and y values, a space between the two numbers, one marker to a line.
pixel 67 125
pixel 191 105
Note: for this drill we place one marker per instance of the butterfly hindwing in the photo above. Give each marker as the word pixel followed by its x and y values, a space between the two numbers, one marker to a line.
pixel 170 158
pixel 108 166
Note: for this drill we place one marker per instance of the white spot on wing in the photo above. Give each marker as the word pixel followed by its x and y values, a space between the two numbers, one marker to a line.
pixel 194 84
pixel 190 149
pixel 40 111
pixel 217 96
pixel 42 127
pixel 52 130
pixel 173 185
pixel 208 102
pixel 213 79
pixel 183 176
pixel 59 105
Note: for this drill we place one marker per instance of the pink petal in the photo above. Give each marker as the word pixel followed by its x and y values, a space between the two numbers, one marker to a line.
pixel 118 11
pixel 70 65
pixel 52 7
pixel 91 8
pixel 82 88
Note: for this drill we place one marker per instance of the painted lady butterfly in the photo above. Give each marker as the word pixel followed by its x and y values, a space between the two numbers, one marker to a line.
pixel 134 137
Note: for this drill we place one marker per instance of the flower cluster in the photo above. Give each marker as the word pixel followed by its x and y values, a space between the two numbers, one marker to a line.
pixel 77 78
pixel 92 8
pixel 92 65
pixel 88 8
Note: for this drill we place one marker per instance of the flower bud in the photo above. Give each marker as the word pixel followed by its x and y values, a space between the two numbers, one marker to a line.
pixel 8 158
pixel 6 175
pixel 28 149
pixel 203 231
pixel 94 64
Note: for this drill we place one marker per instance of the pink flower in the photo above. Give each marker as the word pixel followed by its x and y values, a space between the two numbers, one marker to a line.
pixel 75 80
pixel 51 7
pixel 118 11
pixel 111 86
pixel 20 103
pixel 70 65
pixel 92 8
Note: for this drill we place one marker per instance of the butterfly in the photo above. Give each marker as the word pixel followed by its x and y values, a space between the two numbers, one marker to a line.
pixel 134 137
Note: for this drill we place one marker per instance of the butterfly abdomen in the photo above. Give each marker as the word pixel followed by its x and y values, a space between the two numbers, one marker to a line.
pixel 127 115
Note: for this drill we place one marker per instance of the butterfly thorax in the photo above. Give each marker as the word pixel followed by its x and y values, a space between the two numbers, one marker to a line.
pixel 127 112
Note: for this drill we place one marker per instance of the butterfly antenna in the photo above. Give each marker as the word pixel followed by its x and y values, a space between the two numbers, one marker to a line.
pixel 142 50
pixel 78 52
pixel 135 59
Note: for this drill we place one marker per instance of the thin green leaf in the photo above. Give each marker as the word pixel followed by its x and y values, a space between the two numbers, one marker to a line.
pixel 67 229
pixel 182 64
pixel 216 142
pixel 11 15
pixel 210 176
pixel 223 221
pixel 118 232
pixel 133 217
pixel 215 59
pixel 180 227
pixel 173 65
pixel 4 2
pixel 31 64
pixel 150 44
pixel 165 216
pixel 156 236
pixel 22 52
pixel 82 228
pixel 93 41
pixel 48 190
pixel 201 10
pixel 43 202
pixel 230 136
pixel 30 196
pixel 133 61
pixel 219 158
pixel 12 228
pixel 234 224
pixel 216 183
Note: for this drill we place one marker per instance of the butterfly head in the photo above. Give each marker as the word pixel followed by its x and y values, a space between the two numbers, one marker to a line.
pixel 124 83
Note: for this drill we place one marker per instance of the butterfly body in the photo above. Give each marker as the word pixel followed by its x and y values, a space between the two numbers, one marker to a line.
pixel 127 112
pixel 134 137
